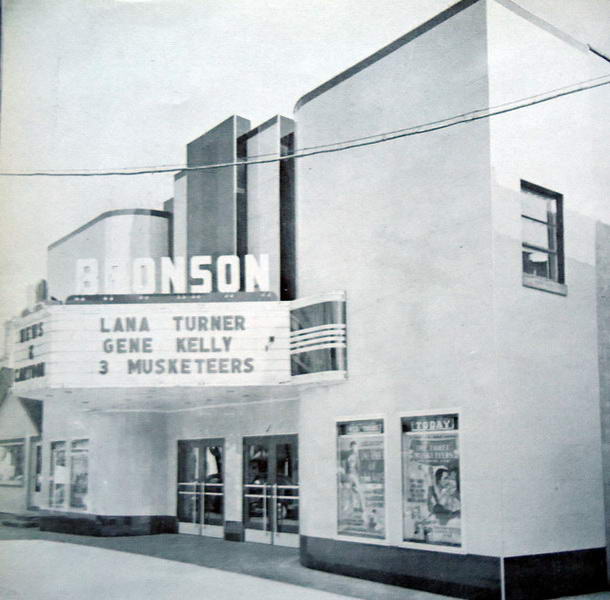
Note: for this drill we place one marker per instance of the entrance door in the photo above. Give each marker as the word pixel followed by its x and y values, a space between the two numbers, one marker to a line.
pixel 201 487
pixel 271 490
pixel 35 474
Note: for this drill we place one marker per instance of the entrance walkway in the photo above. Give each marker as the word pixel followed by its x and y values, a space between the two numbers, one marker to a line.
pixel 43 570
pixel 260 560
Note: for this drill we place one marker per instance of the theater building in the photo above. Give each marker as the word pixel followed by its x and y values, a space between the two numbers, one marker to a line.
pixel 392 356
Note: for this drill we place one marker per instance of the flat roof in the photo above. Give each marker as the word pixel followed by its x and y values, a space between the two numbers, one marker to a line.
pixel 391 47
pixel 112 213
pixel 427 26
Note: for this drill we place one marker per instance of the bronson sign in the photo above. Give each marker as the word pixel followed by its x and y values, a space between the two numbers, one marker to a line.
pixel 165 275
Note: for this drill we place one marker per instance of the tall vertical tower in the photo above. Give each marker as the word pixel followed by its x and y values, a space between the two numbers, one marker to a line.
pixel 206 202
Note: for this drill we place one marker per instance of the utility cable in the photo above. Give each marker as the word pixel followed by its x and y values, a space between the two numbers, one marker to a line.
pixel 347 145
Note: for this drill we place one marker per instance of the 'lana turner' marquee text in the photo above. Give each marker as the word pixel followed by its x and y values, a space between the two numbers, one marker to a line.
pixel 169 276
pixel 209 339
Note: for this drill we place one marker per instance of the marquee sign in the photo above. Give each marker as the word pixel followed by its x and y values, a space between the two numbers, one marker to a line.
pixel 131 345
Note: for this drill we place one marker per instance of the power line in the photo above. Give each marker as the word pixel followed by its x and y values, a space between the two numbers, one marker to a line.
pixel 471 112
pixel 345 145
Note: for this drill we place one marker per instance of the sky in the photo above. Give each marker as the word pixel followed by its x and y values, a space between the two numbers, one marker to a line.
pixel 100 84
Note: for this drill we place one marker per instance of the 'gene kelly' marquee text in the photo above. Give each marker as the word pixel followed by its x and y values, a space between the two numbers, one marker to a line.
pixel 199 337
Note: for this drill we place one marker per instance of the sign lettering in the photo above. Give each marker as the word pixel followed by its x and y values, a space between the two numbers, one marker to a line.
pixel 155 345
pixel 29 372
pixel 169 275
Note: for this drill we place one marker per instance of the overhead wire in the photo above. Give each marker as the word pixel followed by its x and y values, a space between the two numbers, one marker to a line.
pixel 419 129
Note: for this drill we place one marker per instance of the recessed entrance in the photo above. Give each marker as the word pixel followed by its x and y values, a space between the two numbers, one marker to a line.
pixel 201 487
pixel 271 490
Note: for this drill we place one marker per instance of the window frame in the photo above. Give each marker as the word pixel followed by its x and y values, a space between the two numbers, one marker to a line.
pixel 66 505
pixel 555 233
pixel 16 442
pixel 73 455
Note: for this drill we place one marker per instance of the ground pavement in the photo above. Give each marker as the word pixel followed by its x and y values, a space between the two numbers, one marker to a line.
pixel 37 565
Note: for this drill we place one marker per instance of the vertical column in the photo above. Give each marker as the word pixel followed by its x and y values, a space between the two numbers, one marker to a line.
pixel 234 530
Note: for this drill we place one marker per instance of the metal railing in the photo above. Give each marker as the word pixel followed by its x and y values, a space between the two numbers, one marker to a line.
pixel 201 489
pixel 271 495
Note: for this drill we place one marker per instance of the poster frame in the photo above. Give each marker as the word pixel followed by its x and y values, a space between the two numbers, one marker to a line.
pixel 385 541
pixel 434 547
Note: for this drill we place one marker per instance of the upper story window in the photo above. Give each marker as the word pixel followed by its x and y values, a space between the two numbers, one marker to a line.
pixel 542 236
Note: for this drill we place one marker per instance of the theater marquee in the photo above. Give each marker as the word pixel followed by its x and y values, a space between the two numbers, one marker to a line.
pixel 131 345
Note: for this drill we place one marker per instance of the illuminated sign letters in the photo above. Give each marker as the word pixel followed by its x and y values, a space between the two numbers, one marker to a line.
pixel 170 276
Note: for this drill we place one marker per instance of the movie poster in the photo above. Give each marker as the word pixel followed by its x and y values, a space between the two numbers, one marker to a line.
pixel 360 481
pixel 431 480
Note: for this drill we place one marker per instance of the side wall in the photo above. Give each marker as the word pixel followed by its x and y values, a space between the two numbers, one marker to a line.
pixel 405 228
pixel 603 308
pixel 547 343
pixel 127 476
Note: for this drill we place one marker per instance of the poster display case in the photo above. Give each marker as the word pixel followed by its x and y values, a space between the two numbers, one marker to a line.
pixel 361 478
pixel 431 480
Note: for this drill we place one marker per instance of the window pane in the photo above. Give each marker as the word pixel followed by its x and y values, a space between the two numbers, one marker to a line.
pixel 318 332
pixel 38 483
pixel 536 206
pixel 536 263
pixel 79 475
pixel 535 234
pixel 256 492
pixel 11 463
pixel 213 504
pixel 286 476
pixel 313 315
pixel 188 488
pixel 59 475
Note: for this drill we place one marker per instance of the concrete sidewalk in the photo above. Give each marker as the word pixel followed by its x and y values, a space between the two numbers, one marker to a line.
pixel 42 570
pixel 171 566
pixel 228 559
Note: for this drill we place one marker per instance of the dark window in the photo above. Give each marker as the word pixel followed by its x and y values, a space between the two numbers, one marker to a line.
pixel 542 232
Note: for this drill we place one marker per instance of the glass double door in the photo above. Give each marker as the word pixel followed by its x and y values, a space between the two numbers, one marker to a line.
pixel 201 487
pixel 271 490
